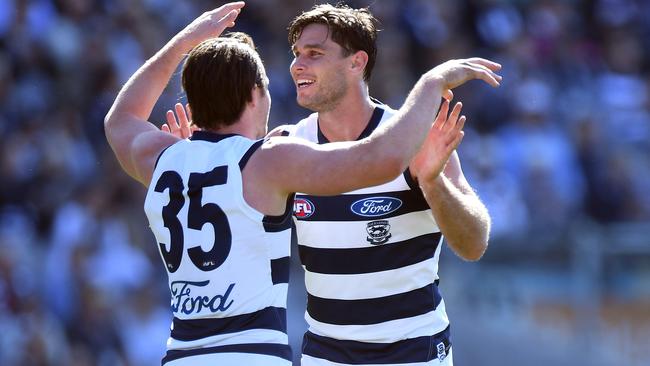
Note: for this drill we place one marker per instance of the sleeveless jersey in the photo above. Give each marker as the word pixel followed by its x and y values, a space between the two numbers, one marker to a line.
pixel 371 270
pixel 227 263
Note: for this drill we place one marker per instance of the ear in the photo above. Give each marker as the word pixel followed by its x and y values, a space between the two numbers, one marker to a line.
pixel 358 62
pixel 255 95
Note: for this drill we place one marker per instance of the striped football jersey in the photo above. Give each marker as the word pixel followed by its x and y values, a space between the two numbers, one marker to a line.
pixel 227 263
pixel 371 270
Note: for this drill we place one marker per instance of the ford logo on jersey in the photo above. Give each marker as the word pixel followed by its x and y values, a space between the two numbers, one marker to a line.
pixel 376 206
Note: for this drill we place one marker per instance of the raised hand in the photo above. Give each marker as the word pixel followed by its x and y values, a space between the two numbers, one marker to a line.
pixel 211 24
pixel 443 138
pixel 454 73
pixel 446 132
pixel 180 127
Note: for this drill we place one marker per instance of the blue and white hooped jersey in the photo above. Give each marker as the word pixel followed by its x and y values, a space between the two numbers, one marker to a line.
pixel 371 270
pixel 227 263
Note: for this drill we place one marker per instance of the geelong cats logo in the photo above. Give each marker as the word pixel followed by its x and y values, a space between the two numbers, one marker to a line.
pixel 378 232
pixel 375 206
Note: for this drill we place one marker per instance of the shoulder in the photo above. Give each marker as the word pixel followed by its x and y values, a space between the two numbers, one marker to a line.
pixel 306 128
pixel 280 155
pixel 306 124
pixel 146 150
pixel 294 129
pixel 388 111
pixel 312 118
pixel 282 130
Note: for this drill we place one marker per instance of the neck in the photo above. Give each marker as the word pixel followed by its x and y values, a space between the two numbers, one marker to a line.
pixel 244 127
pixel 349 118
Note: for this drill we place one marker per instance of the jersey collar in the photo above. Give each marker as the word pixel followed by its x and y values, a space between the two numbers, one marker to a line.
pixel 210 136
pixel 372 124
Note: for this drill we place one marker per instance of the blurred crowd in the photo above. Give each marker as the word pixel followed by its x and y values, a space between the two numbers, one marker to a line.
pixel 566 138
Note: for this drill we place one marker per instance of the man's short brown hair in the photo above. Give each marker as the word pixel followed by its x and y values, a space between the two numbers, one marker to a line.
pixel 218 77
pixel 352 29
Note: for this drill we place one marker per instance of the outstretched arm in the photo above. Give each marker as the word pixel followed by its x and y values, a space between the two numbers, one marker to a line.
pixel 135 141
pixel 295 166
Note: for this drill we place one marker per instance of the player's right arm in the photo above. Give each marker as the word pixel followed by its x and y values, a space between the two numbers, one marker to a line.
pixel 136 142
pixel 292 165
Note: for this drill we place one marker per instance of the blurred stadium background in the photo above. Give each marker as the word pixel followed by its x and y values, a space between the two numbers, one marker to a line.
pixel 560 154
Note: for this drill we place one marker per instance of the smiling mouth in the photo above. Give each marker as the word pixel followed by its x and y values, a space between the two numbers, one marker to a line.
pixel 303 83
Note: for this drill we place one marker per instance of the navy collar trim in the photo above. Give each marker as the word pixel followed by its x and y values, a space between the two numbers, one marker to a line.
pixel 210 136
pixel 377 114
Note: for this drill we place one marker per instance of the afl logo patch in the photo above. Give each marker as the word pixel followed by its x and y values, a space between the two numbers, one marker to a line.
pixel 303 208
pixel 376 206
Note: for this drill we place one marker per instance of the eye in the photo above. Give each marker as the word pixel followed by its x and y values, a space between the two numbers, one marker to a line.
pixel 313 53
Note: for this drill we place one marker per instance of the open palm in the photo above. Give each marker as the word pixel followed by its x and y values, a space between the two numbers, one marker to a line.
pixel 442 139
pixel 211 23
pixel 180 126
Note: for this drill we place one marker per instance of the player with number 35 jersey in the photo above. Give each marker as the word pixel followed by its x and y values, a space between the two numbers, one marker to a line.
pixel 229 267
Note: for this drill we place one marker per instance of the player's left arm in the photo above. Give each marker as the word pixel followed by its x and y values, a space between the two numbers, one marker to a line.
pixel 461 216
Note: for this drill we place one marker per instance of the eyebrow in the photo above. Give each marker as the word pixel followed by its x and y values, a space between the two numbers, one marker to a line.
pixel 318 46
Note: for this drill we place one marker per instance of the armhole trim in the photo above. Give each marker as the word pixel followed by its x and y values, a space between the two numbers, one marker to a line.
pixel 247 155
pixel 281 222
pixel 413 184
pixel 160 155
pixel 408 177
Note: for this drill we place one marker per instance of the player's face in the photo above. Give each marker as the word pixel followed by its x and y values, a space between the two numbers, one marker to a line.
pixel 318 69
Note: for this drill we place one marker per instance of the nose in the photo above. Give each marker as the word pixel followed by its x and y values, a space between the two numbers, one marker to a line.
pixel 297 65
